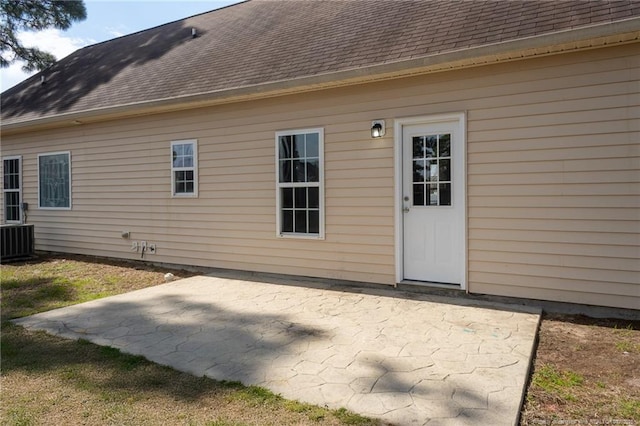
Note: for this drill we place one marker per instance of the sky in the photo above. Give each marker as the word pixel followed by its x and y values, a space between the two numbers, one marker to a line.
pixel 106 19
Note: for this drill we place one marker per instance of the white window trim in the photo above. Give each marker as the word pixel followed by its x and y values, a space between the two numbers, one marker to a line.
pixel 193 194
pixel 19 191
pixel 46 154
pixel 321 233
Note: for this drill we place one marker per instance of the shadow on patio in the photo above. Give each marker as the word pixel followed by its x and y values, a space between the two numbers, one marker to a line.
pixel 405 360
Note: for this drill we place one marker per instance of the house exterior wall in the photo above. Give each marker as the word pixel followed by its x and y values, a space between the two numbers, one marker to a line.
pixel 553 178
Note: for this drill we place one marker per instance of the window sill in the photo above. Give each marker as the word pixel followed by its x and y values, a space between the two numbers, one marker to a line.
pixel 301 236
pixel 184 195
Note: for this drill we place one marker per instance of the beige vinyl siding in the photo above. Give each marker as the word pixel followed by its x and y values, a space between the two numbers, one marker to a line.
pixel 232 222
pixel 553 177
pixel 554 190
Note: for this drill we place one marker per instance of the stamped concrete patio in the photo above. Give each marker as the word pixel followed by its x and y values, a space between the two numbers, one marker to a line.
pixel 403 357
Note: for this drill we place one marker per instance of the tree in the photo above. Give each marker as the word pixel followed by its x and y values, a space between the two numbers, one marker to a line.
pixel 34 15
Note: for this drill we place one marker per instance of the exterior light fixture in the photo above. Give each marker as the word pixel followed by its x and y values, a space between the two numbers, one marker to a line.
pixel 377 128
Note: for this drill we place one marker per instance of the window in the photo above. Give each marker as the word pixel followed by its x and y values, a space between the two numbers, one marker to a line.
pixel 12 178
pixel 54 180
pixel 432 170
pixel 184 168
pixel 300 189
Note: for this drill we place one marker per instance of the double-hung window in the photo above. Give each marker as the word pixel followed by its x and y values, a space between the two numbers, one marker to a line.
pixel 54 180
pixel 12 187
pixel 300 188
pixel 184 168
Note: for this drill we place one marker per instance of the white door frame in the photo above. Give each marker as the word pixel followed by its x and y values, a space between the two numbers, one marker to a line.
pixel 398 125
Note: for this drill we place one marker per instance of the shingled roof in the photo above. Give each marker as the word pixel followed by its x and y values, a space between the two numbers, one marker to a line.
pixel 259 46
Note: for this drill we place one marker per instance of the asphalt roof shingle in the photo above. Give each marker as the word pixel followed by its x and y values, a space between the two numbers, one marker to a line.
pixel 259 41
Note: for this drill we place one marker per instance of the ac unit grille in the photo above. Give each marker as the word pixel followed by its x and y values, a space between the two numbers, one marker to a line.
pixel 16 242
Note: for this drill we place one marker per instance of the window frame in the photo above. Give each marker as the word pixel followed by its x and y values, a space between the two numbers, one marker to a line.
pixel 19 190
pixel 48 154
pixel 194 168
pixel 320 185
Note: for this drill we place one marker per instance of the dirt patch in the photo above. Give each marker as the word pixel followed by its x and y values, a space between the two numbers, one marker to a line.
pixel 586 371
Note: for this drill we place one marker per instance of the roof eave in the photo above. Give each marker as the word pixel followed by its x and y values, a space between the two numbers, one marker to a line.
pixel 620 32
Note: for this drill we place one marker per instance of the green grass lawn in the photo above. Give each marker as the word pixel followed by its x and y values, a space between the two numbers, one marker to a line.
pixel 48 380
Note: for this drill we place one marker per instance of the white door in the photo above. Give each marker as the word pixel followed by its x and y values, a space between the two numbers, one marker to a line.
pixel 433 211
